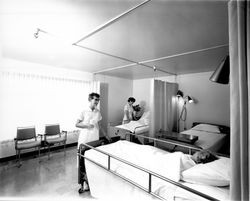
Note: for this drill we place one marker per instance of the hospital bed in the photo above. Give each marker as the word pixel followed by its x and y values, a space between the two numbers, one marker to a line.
pixel 139 127
pixel 126 170
pixel 212 137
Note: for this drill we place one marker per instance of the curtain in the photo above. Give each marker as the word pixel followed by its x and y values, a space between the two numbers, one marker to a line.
pixel 96 88
pixel 102 89
pixel 239 48
pixel 162 106
pixel 35 100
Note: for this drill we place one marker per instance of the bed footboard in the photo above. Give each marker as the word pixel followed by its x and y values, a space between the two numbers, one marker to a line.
pixel 81 163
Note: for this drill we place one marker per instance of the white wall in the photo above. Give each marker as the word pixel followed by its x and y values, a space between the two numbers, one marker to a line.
pixel 118 90
pixel 141 89
pixel 8 125
pixel 212 100
pixel 11 65
pixel 141 92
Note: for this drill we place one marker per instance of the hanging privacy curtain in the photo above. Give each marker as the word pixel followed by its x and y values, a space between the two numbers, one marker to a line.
pixel 162 106
pixel 239 42
pixel 102 89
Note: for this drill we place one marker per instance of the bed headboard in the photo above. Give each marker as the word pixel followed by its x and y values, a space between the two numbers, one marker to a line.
pixel 223 129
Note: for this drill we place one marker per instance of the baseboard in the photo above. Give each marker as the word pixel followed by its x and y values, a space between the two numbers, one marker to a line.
pixel 32 153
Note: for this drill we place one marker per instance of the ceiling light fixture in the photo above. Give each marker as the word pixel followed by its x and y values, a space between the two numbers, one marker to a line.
pixel 221 74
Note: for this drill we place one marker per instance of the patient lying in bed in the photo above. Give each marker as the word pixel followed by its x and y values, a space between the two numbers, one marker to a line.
pixel 175 166
pixel 202 156
pixel 185 161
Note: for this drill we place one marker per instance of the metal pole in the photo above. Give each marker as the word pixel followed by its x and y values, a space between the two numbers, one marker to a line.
pixel 106 24
pixel 121 58
pixel 142 63
pixel 186 53
pixel 149 182
pixel 177 115
pixel 108 162
pixel 162 58
pixel 110 55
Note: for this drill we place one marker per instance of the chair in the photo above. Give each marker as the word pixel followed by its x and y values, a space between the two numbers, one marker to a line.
pixel 53 136
pixel 26 138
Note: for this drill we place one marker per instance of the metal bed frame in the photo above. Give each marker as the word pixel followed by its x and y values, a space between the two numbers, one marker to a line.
pixel 190 147
pixel 133 135
pixel 127 132
pixel 150 173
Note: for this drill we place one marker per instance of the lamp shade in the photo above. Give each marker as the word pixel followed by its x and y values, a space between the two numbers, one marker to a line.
pixel 189 99
pixel 221 74
pixel 179 93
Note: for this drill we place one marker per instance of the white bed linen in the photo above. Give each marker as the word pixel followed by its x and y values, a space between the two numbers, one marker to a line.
pixel 105 185
pixel 207 140
pixel 134 127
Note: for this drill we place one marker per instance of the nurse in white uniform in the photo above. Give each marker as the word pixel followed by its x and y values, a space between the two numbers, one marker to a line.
pixel 128 111
pixel 88 122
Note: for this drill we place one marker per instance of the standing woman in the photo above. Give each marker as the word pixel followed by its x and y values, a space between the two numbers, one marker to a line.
pixel 89 121
pixel 89 124
pixel 128 111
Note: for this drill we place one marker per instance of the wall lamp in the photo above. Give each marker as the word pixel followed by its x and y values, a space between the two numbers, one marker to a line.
pixel 179 94
pixel 183 115
pixel 186 99
pixel 221 74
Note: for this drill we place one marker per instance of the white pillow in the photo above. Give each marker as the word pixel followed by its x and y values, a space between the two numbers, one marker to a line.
pixel 145 118
pixel 216 173
pixel 207 128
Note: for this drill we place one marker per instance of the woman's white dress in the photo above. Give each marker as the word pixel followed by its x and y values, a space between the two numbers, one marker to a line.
pixel 130 110
pixel 89 117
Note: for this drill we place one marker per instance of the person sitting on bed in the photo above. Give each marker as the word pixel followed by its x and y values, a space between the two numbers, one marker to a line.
pixel 128 111
pixel 202 156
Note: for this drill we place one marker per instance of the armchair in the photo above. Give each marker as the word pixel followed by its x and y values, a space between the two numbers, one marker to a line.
pixel 53 136
pixel 26 138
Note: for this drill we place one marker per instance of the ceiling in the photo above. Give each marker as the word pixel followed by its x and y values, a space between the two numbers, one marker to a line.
pixel 173 36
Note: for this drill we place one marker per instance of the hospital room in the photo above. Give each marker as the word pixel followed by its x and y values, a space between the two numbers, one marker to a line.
pixel 124 99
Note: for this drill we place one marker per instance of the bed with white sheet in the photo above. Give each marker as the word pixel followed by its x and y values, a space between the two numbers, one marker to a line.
pixel 211 179
pixel 210 136
pixel 139 127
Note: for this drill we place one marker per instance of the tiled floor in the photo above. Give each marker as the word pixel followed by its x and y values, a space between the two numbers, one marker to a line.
pixel 50 179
